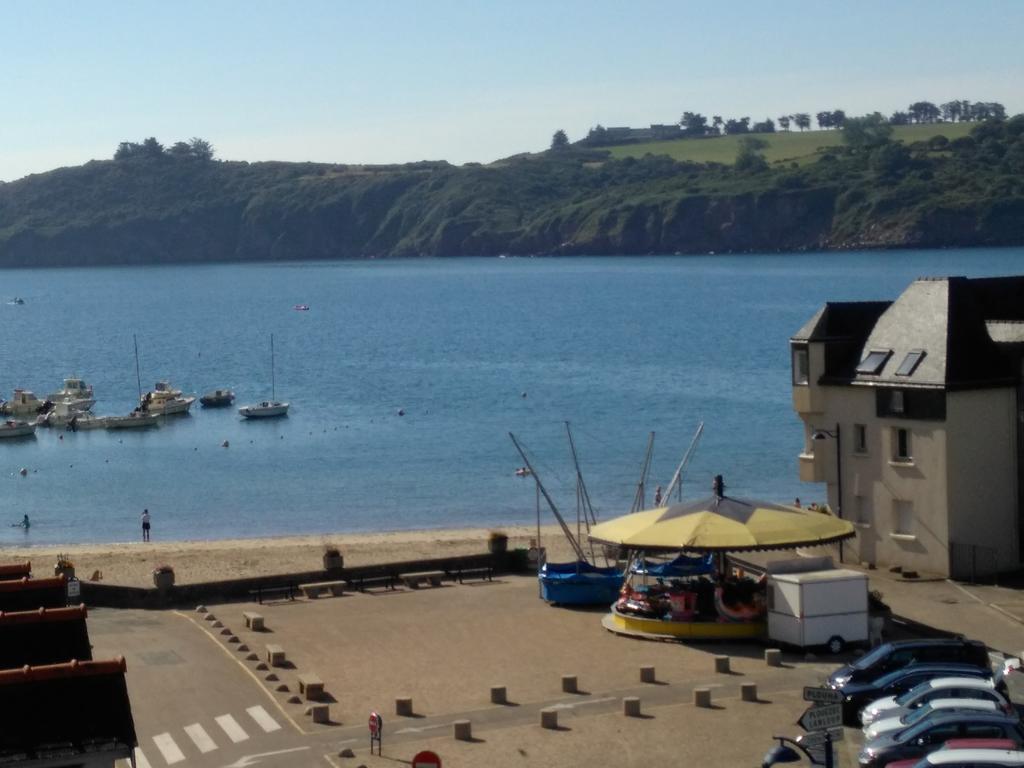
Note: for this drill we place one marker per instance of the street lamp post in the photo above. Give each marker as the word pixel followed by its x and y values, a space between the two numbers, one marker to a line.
pixel 823 434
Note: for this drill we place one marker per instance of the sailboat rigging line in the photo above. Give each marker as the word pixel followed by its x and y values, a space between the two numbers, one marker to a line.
pixel 138 378
pixel 677 478
pixel 582 496
pixel 554 510
pixel 639 501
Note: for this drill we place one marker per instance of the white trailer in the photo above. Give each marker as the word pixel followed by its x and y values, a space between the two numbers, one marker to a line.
pixel 818 608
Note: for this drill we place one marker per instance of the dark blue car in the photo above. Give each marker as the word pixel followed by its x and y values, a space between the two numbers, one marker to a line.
pixel 927 736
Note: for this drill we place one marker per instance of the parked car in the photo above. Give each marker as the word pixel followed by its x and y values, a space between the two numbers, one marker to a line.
pixel 892 656
pixel 966 758
pixel 937 688
pixel 914 716
pixel 927 736
pixel 997 744
pixel 858 694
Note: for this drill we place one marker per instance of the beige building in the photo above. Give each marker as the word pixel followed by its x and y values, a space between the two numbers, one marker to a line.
pixel 913 415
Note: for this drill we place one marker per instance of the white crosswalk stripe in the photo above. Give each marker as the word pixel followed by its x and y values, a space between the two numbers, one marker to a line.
pixel 231 727
pixel 263 719
pixel 200 738
pixel 168 748
pixel 140 760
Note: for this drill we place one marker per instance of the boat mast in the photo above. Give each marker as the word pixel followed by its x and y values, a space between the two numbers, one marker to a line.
pixel 554 510
pixel 639 502
pixel 273 382
pixel 677 478
pixel 138 378
pixel 582 496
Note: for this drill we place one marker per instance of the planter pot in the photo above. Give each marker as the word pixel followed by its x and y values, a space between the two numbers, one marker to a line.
pixel 497 545
pixel 69 572
pixel 163 579
pixel 333 561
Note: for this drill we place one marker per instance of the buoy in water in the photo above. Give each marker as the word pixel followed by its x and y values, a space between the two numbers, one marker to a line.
pixel 225 444
pixel 23 472
pixel 523 394
pixel 401 411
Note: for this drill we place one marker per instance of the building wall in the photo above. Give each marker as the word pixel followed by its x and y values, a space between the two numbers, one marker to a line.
pixel 899 508
pixel 983 472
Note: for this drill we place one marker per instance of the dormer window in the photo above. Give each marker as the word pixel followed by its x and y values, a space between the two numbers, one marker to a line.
pixel 910 362
pixel 874 361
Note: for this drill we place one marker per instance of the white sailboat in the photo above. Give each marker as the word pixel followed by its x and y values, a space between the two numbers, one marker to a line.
pixel 138 418
pixel 271 408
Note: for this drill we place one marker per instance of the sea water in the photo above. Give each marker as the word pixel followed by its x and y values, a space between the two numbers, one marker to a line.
pixel 467 349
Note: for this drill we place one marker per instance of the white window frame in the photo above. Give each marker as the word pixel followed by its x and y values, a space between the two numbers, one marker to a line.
pixel 801 360
pixel 898 456
pixel 903 520
pixel 860 439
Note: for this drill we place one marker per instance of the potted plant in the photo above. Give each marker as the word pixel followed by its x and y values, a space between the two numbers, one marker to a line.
pixel 163 577
pixel 497 542
pixel 333 559
pixel 64 566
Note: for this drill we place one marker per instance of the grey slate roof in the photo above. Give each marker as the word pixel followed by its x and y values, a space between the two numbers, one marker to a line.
pixel 970 332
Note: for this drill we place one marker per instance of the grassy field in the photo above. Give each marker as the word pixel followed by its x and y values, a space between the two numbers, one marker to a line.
pixel 783 147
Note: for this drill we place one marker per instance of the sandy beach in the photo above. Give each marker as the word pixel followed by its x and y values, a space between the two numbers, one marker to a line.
pixel 132 564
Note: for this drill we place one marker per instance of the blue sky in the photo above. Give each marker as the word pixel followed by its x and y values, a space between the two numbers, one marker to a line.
pixel 466 81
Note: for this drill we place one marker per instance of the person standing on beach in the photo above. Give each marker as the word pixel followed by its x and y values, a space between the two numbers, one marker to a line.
pixel 145 525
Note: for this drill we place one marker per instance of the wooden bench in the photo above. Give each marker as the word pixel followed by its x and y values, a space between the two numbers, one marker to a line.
pixel 287 591
pixel 253 621
pixel 275 656
pixel 413 580
pixel 312 686
pixel 482 572
pixel 314 590
pixel 362 582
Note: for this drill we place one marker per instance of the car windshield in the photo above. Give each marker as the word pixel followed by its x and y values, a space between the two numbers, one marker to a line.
pixel 869 659
pixel 913 693
pixel 918 715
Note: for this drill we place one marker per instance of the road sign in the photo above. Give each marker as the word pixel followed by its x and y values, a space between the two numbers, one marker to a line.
pixel 74 589
pixel 817 738
pixel 426 759
pixel 820 718
pixel 822 695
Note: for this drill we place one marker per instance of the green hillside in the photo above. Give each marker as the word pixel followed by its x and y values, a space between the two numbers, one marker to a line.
pixel 783 147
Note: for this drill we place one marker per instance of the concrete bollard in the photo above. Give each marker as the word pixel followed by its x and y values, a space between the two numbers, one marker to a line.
pixel 209 617
pixel 722 664
pixel 463 730
pixel 773 657
pixel 549 719
pixel 201 609
pixel 499 695
pixel 320 713
pixel 403 706
pixel 748 691
pixel 631 706
pixel 647 675
pixel 216 623
pixel 569 684
pixel 225 631
pixel 702 697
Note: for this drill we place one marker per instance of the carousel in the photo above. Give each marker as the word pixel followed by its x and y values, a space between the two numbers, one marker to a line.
pixel 725 603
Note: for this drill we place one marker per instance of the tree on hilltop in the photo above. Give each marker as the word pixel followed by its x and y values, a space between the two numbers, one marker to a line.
pixel 802 120
pixel 867 132
pixel 152 148
pixel 717 123
pixel 923 112
pixel 732 126
pixel 899 118
pixel 767 126
pixel 694 123
pixel 559 140
pixel 201 148
pixel 784 122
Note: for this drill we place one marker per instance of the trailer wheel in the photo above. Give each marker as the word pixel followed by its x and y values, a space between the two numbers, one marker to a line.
pixel 836 644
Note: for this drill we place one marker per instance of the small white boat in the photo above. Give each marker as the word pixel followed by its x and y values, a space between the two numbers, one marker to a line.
pixel 134 420
pixel 24 403
pixel 164 400
pixel 86 420
pixel 75 393
pixel 66 415
pixel 268 409
pixel 13 428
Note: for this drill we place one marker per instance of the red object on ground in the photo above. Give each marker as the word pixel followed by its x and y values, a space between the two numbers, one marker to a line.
pixel 374 723
pixel 426 759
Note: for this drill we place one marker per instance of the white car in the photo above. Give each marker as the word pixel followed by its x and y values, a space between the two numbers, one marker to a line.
pixel 888 725
pixel 937 688
pixel 969 758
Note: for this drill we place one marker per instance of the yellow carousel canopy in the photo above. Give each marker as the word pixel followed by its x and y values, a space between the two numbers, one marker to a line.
pixel 722 523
